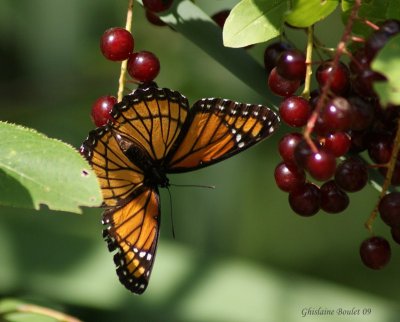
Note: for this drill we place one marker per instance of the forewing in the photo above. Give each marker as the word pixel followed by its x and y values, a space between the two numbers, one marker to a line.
pixel 133 230
pixel 217 129
pixel 151 118
pixel 117 175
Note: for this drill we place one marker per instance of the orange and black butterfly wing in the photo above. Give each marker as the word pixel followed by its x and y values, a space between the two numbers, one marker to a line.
pixel 118 176
pixel 132 229
pixel 145 126
pixel 217 129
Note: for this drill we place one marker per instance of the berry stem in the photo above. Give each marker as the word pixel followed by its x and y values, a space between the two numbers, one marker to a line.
pixel 29 308
pixel 307 80
pixel 388 179
pixel 340 49
pixel 122 75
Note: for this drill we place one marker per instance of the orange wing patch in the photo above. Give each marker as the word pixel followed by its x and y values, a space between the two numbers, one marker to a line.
pixel 117 175
pixel 152 118
pixel 133 230
pixel 217 129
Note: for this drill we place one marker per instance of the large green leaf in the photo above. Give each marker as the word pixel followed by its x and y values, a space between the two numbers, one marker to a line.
pixel 254 21
pixel 387 62
pixel 36 170
pixel 305 13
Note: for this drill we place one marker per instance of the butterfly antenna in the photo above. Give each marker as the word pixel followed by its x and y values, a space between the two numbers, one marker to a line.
pixel 192 186
pixel 170 213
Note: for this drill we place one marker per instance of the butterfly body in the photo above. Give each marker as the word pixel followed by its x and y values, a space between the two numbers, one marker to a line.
pixel 154 133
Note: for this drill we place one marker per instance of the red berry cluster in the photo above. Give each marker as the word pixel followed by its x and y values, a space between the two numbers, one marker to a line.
pixel 343 115
pixel 117 44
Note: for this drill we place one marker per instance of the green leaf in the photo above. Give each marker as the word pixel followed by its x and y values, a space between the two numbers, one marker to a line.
pixel 254 21
pixel 36 170
pixel 371 10
pixel 387 63
pixel 305 13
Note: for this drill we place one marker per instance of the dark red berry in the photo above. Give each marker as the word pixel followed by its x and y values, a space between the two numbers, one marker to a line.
pixel 340 79
pixel 333 199
pixel 375 252
pixel 291 64
pixel 375 42
pixel 154 19
pixel 395 231
pixel 337 143
pixel 272 53
pixel 295 111
pixel 389 208
pixel 143 66
pixel 363 82
pixel 287 145
pixel 380 148
pixel 321 165
pixel 288 177
pixel 362 113
pixel 359 140
pixel 157 5
pixel 391 27
pixel 359 62
pixel 351 175
pixel 305 199
pixel 335 116
pixel 282 86
pixel 220 17
pixel 301 153
pixel 116 44
pixel 101 110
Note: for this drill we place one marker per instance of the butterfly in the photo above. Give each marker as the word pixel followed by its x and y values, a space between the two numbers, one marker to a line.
pixel 153 132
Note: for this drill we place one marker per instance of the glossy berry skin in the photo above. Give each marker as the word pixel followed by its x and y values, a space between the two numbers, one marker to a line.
pixel 272 53
pixel 143 66
pixel 291 64
pixel 305 200
pixel 375 252
pixel 333 199
pixel 340 79
pixel 101 110
pixel 380 148
pixel 288 177
pixel 280 85
pixel 116 44
pixel 351 175
pixel 157 5
pixel 336 116
pixel 287 146
pixel 295 111
pixel 337 143
pixel 321 165
pixel 389 209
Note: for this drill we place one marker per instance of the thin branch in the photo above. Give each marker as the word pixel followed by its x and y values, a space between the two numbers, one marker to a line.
pixel 122 75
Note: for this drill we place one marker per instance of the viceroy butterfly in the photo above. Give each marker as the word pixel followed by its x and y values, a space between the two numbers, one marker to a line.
pixel 153 133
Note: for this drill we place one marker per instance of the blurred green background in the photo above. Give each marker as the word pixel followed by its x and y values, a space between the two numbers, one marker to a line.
pixel 240 254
